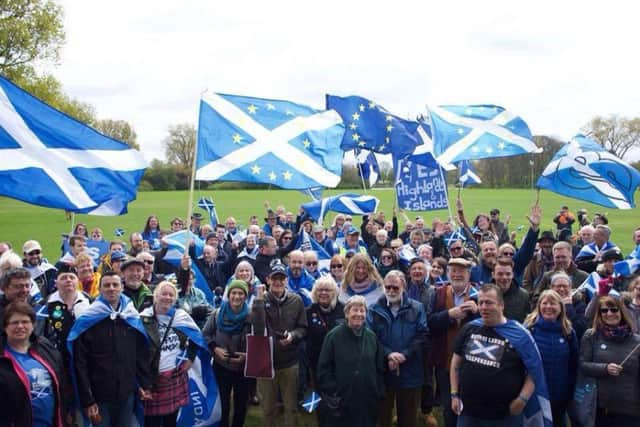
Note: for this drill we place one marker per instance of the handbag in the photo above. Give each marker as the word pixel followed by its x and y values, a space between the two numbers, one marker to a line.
pixel 582 409
pixel 259 362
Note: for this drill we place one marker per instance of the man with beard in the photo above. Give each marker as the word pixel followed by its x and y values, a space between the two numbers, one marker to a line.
pixel 516 299
pixel 299 281
pixel 449 308
pixel 43 273
pixel 541 263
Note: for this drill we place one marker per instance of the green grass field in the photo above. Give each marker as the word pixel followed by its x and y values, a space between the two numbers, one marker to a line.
pixel 20 221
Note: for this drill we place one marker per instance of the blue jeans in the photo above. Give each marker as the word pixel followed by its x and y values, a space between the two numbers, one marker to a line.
pixel 116 414
pixel 511 421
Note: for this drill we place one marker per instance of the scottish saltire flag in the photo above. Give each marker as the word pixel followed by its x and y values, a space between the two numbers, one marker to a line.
pixel 370 126
pixel 307 243
pixel 312 402
pixel 630 265
pixel 315 193
pixel 468 176
pixel 368 167
pixel 590 250
pixel 537 412
pixel 423 154
pixel 178 245
pixel 348 203
pixel 204 407
pixel 454 236
pixel 268 141
pixel 590 285
pixel 49 159
pixel 468 132
pixel 209 205
pixel 584 170
pixel 119 232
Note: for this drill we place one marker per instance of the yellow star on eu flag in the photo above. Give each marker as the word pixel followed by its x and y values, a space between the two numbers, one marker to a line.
pixel 355 116
pixel 306 143
pixel 272 176
pixel 237 138
pixel 255 169
pixel 355 137
pixel 287 175
pixel 252 109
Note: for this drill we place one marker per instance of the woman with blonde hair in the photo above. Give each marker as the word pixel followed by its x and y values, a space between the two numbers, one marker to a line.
pixel 558 345
pixel 337 266
pixel 361 278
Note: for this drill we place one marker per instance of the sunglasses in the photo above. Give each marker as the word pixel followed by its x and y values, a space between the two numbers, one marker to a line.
pixel 35 252
pixel 148 262
pixel 508 253
pixel 392 288
pixel 395 248
pixel 613 310
pixel 336 266
pixel 386 257
pixel 287 238
pixel 455 248
pixel 311 263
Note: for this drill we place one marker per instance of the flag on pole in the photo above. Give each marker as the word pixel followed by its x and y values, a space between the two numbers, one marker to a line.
pixel 467 174
pixel 314 192
pixel 423 154
pixel 178 243
pixel 469 132
pixel 50 159
pixel 267 141
pixel 629 265
pixel 368 167
pixel 209 205
pixel 584 170
pixel 348 203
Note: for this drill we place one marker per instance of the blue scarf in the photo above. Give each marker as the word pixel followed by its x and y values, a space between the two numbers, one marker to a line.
pixel 230 322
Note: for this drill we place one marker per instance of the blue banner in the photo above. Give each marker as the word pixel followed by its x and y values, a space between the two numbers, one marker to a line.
pixel 95 249
pixel 419 187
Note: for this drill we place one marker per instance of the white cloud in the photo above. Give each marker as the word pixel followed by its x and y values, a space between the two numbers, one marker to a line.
pixel 555 63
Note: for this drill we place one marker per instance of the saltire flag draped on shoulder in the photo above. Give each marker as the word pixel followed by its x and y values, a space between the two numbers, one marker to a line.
pixel 178 245
pixel 584 170
pixel 209 205
pixel 50 159
pixel 306 243
pixel 468 176
pixel 204 407
pixel 349 203
pixel 469 132
pixel 268 141
pixel 370 126
pixel 368 167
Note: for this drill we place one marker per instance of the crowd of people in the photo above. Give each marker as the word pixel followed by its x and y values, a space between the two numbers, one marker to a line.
pixel 384 323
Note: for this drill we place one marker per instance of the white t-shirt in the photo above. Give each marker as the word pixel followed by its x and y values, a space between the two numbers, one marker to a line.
pixel 171 346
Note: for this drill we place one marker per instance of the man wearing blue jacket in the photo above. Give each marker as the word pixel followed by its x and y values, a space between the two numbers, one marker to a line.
pixel 400 324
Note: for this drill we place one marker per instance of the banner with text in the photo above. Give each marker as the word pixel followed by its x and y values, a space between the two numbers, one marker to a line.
pixel 418 187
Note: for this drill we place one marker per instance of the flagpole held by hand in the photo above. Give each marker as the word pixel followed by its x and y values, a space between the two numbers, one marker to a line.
pixel 629 355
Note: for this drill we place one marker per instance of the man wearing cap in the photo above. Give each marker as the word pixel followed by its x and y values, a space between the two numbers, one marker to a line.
pixel 196 220
pixel 541 263
pixel 352 242
pixel 117 258
pixel 591 255
pixel 449 308
pixel 105 260
pixel 500 228
pixel 134 288
pixel 281 313
pixel 43 273
pixel 321 237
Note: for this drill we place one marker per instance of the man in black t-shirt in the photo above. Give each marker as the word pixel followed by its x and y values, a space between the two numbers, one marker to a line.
pixel 489 383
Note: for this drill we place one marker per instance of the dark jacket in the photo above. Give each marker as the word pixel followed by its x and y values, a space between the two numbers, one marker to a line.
pixel 406 333
pixel 576 275
pixel 141 297
pixel 279 317
pixel 111 360
pixel 352 366
pixel 15 404
pixel 621 394
pixel 516 302
pixel 319 323
pixel 232 343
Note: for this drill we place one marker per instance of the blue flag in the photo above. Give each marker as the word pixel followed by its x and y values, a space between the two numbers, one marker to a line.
pixel 468 132
pixel 267 141
pixel 467 174
pixel 307 243
pixel 312 402
pixel 209 205
pixel 584 170
pixel 368 167
pixel 348 203
pixel 314 192
pixel 370 126
pixel 49 159
pixel 178 242
pixel 629 265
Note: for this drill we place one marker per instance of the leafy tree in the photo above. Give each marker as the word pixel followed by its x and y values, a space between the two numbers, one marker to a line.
pixel 617 134
pixel 120 130
pixel 180 144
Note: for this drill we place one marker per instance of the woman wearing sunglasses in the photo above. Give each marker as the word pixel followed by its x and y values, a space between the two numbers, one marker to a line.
pixel 609 353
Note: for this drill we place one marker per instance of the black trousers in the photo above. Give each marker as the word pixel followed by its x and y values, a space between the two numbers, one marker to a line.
pixel 228 381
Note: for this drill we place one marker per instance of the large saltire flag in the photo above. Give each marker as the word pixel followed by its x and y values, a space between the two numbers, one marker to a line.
pixel 583 169
pixel 268 141
pixel 370 126
pixel 469 132
pixel 354 204
pixel 368 167
pixel 50 159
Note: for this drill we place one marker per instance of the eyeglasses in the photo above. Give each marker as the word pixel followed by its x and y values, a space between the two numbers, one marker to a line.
pixel 336 266
pixel 386 257
pixel 392 288
pixel 19 323
pixel 311 263
pixel 613 310
pixel 508 253
pixel 455 248
pixel 34 252
pixel 348 218
pixel 146 261
pixel 287 238
pixel 17 286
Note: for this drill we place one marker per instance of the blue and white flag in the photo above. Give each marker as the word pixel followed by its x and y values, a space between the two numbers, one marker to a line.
pixel 348 203
pixel 307 243
pixel 590 285
pixel 94 248
pixel 178 245
pixel 467 174
pixel 590 250
pixel 370 126
pixel 629 265
pixel 312 402
pixel 419 187
pixel 468 132
pixel 204 407
pixel 584 170
pixel 423 154
pixel 315 193
pixel 49 159
pixel 268 141
pixel 209 205
pixel 537 412
pixel 119 232
pixel 368 167
pixel 453 236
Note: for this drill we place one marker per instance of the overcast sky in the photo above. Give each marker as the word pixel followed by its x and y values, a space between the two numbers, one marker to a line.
pixel 554 63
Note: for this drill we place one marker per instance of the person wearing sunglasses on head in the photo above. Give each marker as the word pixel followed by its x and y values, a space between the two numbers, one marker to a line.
pixel 603 351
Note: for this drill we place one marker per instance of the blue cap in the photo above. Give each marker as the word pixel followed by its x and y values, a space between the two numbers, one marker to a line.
pixel 118 256
pixel 353 230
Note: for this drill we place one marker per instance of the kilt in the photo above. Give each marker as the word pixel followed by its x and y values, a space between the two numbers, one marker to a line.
pixel 169 392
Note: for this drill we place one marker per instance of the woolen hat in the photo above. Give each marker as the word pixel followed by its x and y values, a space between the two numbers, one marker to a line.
pixel 238 284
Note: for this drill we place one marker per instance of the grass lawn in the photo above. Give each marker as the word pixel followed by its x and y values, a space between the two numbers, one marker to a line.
pixel 20 221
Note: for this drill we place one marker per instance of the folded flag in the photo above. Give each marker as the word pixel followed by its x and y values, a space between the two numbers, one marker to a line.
pixel 209 205
pixel 630 265
pixel 468 176
pixel 468 132
pixel 584 170
pixel 267 141
pixel 347 203
pixel 370 126
pixel 368 167
pixel 49 159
